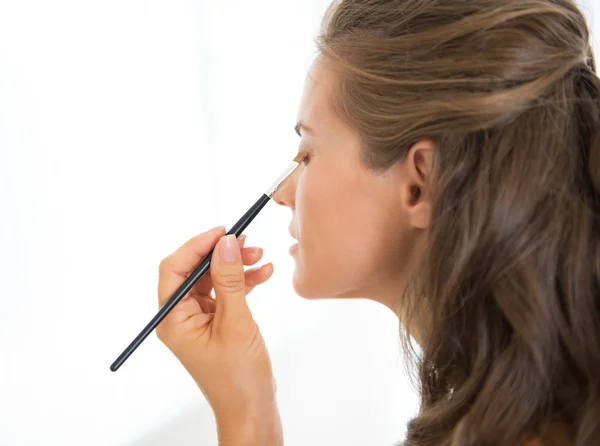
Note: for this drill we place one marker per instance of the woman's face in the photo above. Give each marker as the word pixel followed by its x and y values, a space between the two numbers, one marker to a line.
pixel 355 228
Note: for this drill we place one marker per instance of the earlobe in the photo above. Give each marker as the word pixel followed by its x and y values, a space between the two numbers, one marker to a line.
pixel 421 215
pixel 417 205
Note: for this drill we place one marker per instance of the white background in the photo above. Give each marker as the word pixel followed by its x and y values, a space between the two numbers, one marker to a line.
pixel 127 127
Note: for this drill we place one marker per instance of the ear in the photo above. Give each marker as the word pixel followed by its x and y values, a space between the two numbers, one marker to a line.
pixel 416 193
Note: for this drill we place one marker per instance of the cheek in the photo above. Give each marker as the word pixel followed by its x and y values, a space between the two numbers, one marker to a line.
pixel 331 230
pixel 305 197
pixel 332 212
pixel 312 213
pixel 313 219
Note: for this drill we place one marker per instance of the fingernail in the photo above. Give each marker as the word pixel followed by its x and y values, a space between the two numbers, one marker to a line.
pixel 229 249
pixel 221 228
pixel 242 237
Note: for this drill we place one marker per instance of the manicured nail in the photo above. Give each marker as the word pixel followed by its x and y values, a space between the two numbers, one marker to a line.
pixel 220 228
pixel 229 250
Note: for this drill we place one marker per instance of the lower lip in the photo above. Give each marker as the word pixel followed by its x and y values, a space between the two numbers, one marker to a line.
pixel 294 248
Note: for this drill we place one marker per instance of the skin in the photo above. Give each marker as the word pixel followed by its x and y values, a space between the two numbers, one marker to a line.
pixel 217 340
pixel 357 233
pixel 357 230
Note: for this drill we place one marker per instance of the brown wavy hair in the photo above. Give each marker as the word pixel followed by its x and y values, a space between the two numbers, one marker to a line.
pixel 510 275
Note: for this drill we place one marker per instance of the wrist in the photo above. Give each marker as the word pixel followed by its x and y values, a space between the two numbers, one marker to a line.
pixel 256 427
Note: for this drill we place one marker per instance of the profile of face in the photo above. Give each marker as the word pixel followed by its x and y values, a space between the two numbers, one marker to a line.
pixel 357 230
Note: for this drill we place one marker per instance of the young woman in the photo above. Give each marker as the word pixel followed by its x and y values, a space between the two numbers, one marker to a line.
pixel 453 174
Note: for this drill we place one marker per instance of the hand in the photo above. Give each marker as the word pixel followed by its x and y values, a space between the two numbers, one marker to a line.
pixel 216 338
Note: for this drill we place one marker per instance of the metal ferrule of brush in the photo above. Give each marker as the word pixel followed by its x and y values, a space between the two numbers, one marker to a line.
pixel 286 173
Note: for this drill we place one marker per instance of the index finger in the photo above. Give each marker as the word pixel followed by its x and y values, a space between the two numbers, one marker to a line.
pixel 176 267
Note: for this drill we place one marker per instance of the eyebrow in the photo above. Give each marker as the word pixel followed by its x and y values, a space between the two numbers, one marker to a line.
pixel 302 126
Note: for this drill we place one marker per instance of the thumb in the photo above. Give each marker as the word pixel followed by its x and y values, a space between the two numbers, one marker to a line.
pixel 227 273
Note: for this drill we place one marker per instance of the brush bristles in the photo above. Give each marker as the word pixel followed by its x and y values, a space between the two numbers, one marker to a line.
pixel 300 157
pixel 286 173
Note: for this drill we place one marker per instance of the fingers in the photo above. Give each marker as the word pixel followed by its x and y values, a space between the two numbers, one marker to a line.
pixel 176 267
pixel 229 282
pixel 254 277
pixel 204 286
pixel 207 303
pixel 257 276
pixel 252 255
pixel 177 323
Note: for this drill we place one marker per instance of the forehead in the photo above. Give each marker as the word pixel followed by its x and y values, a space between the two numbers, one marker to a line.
pixel 315 106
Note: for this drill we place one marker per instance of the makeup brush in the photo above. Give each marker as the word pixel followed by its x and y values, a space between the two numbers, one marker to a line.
pixel 201 269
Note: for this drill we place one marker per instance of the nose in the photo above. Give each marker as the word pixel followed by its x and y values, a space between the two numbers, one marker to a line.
pixel 286 194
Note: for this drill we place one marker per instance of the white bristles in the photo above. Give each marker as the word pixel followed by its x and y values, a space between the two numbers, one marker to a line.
pixel 281 179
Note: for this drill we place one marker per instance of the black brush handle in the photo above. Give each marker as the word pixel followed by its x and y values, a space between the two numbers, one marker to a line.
pixel 186 286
